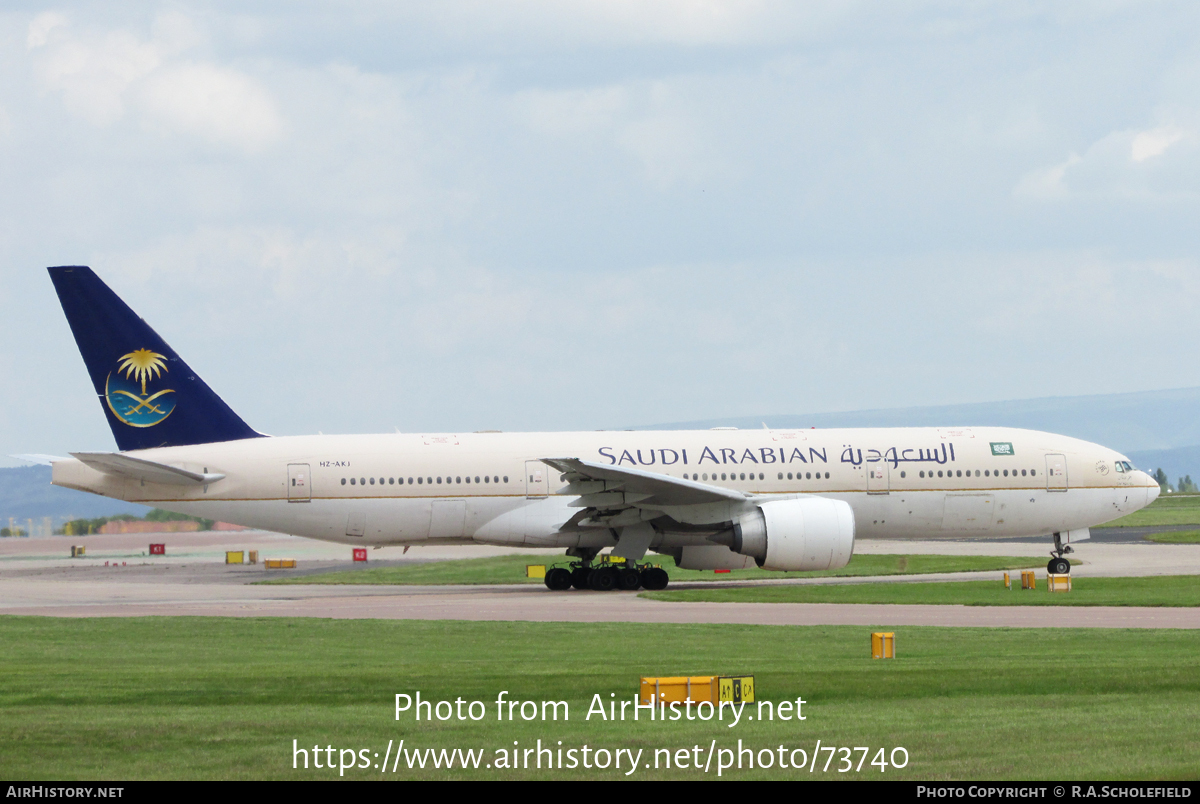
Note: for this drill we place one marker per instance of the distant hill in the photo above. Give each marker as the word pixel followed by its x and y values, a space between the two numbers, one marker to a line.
pixel 1175 462
pixel 26 493
pixel 1148 420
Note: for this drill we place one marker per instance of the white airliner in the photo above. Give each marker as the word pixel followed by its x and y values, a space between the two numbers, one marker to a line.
pixel 713 499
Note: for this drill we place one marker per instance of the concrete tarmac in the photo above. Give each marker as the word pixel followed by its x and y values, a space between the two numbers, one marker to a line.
pixel 36 578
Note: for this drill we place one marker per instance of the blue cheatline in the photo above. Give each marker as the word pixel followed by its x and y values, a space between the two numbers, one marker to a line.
pixel 149 395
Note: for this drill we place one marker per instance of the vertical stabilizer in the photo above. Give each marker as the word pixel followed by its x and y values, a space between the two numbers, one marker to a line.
pixel 149 395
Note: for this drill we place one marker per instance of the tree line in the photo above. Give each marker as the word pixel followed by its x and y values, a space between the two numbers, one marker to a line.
pixel 1183 486
pixel 82 527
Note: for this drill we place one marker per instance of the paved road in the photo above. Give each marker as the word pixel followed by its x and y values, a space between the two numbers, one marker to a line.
pixel 34 580
pixel 535 604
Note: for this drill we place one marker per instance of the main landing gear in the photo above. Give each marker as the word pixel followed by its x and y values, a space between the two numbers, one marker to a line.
pixel 606 576
pixel 1059 565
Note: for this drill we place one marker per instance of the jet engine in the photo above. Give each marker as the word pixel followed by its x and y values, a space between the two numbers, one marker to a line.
pixel 811 533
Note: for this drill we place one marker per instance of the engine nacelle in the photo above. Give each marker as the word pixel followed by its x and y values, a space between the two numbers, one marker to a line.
pixel 711 557
pixel 811 533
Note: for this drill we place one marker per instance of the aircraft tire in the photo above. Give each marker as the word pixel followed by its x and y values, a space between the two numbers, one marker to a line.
pixel 579 577
pixel 1059 566
pixel 631 579
pixel 655 578
pixel 603 579
pixel 558 579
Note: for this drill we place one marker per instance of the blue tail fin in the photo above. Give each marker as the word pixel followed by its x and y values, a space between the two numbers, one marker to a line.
pixel 150 396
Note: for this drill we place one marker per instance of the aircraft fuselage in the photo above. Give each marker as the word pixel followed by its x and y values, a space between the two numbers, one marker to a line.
pixel 492 488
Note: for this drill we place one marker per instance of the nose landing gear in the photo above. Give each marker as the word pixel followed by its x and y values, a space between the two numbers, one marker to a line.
pixel 1059 565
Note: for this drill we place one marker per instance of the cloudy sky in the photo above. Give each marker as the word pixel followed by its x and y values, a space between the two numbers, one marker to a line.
pixel 356 217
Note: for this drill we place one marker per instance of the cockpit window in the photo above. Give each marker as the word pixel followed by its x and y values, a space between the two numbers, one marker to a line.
pixel 1120 465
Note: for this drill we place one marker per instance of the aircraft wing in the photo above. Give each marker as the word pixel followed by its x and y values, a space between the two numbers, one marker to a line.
pixel 114 463
pixel 612 496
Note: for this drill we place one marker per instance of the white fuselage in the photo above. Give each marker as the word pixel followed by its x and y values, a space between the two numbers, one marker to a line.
pixel 492 488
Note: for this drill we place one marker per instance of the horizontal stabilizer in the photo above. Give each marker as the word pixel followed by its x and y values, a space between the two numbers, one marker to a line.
pixel 40 460
pixel 112 463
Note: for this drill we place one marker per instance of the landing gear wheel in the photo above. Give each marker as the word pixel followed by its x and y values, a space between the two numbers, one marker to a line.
pixel 579 577
pixel 655 578
pixel 1059 566
pixel 558 579
pixel 631 579
pixel 603 579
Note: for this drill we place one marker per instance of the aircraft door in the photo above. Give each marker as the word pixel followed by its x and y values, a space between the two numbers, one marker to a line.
pixel 1056 473
pixel 536 479
pixel 299 483
pixel 878 477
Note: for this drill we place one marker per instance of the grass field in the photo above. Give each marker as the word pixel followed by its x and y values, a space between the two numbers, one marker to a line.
pixel 1168 590
pixel 511 569
pixel 1171 509
pixel 1175 537
pixel 212 698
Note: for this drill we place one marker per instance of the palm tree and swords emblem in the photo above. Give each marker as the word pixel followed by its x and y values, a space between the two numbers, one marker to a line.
pixel 134 371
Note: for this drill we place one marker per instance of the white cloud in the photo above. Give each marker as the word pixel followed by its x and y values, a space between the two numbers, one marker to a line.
pixel 1131 164
pixel 1046 184
pixel 102 74
pixel 94 72
pixel 680 21
pixel 1155 142
pixel 41 26
pixel 215 103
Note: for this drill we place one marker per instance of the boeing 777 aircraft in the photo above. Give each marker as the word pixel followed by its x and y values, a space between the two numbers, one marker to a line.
pixel 713 499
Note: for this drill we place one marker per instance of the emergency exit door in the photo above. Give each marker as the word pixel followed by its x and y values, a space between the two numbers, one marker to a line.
pixel 299 483
pixel 878 477
pixel 536 479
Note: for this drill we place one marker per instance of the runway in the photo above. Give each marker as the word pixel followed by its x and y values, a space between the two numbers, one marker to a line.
pixel 191 581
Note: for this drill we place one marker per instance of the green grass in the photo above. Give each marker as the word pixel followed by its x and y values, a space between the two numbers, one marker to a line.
pixel 214 698
pixel 1175 537
pixel 1167 590
pixel 1170 509
pixel 511 569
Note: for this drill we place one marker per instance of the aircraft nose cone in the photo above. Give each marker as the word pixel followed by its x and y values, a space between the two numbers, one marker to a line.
pixel 1152 490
